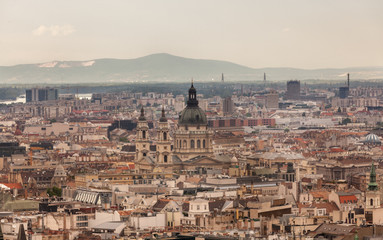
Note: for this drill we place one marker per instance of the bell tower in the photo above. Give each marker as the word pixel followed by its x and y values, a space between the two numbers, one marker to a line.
pixel 142 138
pixel 163 153
pixel 372 193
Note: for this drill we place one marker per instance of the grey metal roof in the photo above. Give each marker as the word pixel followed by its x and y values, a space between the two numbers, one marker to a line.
pixel 110 225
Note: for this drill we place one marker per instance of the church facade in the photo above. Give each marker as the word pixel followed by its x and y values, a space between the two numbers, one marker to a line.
pixel 191 146
pixel 192 137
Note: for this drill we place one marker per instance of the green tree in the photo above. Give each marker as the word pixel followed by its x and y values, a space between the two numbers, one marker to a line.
pixel 54 191
pixel 346 121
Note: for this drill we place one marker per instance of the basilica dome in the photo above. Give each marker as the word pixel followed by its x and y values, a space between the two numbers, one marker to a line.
pixel 192 114
pixel 372 139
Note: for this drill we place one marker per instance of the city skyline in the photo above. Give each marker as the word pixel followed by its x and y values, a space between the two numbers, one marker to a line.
pixel 218 119
pixel 299 34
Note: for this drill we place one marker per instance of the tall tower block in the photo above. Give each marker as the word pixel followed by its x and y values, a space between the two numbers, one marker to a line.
pixel 293 91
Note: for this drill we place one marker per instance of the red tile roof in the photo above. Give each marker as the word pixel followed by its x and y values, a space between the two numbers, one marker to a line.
pixel 125 213
pixel 13 185
pixel 321 194
pixel 348 199
pixel 337 150
pixel 329 206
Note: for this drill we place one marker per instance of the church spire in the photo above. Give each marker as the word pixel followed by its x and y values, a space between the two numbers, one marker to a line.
pixel 372 186
pixel 21 235
pixel 163 116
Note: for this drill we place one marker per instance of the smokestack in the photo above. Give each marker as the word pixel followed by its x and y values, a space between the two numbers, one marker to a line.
pixel 264 79
pixel 348 80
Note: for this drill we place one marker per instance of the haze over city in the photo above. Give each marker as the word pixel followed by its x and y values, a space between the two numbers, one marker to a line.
pixel 191 120
pixel 300 34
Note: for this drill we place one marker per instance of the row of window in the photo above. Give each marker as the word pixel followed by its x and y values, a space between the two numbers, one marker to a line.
pixel 44 128
pixel 82 218
pixel 82 224
pixel 198 207
pixel 165 136
pixel 193 144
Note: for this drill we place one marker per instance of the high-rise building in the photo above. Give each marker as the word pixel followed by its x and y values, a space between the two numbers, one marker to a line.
pixel 293 90
pixel 345 91
pixel 41 94
pixel 272 99
pixel 97 98
pixel 227 106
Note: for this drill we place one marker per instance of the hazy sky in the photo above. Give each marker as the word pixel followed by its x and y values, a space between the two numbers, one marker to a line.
pixel 285 33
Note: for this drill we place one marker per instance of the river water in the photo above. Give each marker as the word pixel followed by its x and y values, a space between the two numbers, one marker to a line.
pixel 21 98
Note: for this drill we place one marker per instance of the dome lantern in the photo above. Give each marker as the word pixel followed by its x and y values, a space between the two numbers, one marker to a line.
pixel 192 114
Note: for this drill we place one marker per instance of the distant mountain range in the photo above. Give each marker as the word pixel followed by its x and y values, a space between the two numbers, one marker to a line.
pixel 164 67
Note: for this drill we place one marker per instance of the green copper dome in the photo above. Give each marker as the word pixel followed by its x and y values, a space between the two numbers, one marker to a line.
pixel 192 114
